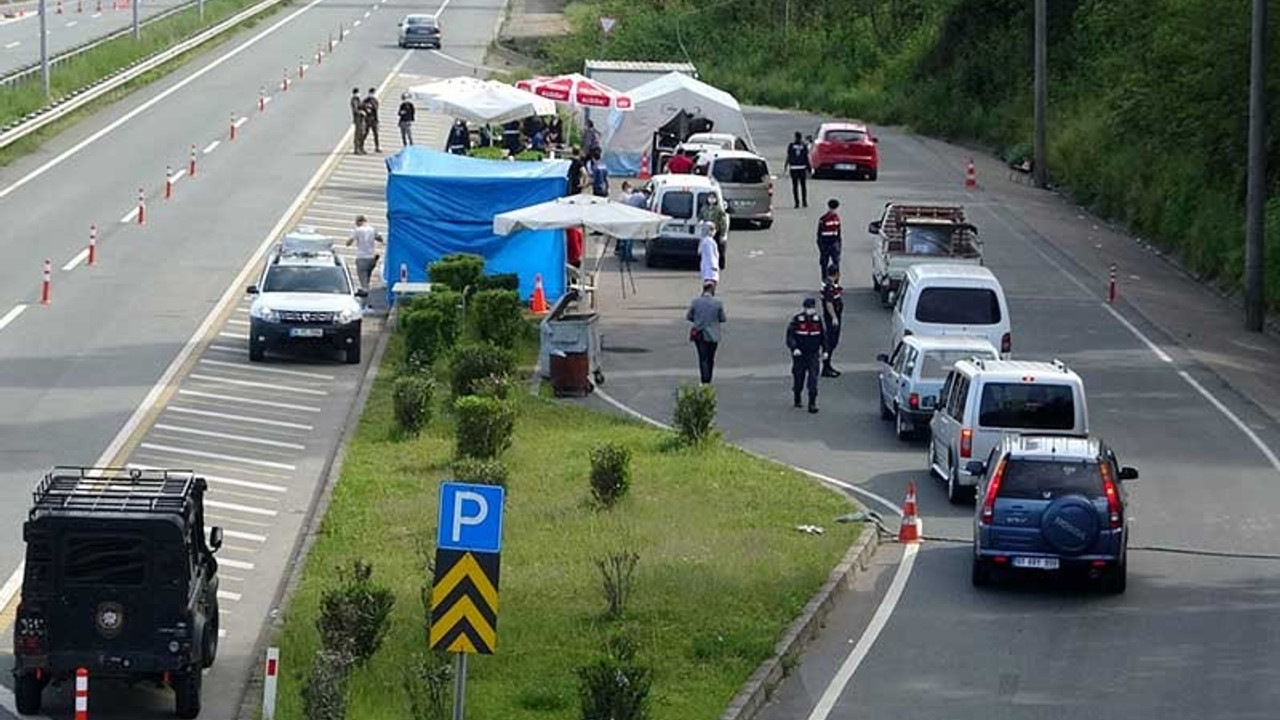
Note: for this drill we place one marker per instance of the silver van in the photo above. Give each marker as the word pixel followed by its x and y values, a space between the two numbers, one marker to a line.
pixel 744 181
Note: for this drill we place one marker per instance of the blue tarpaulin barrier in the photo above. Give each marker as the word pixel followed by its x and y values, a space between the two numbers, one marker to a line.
pixel 438 204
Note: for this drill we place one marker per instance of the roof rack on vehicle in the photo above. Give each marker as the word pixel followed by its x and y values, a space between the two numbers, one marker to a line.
pixel 115 490
pixel 1062 367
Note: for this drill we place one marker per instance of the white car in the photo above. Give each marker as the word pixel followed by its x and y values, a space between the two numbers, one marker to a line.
pixel 719 140
pixel 305 297
pixel 912 375
pixel 983 400
pixel 952 300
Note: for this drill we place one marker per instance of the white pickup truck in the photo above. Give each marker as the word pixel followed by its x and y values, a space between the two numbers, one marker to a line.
pixel 907 235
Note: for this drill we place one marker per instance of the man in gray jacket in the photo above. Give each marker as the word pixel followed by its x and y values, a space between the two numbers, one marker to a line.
pixel 706 312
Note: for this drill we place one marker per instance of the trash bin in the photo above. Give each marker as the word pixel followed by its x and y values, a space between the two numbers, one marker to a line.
pixel 567 333
pixel 569 374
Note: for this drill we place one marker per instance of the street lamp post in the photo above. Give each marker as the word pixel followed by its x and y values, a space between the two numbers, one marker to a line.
pixel 1040 166
pixel 1255 291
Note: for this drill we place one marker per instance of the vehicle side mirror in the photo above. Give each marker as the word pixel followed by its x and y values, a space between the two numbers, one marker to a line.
pixel 882 357
pixel 875 141
pixel 362 293
pixel 252 290
pixel 975 467
pixel 1128 473
pixel 874 227
pixel 215 538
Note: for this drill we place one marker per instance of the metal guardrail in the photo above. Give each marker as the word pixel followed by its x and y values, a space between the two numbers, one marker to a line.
pixel 31 71
pixel 79 98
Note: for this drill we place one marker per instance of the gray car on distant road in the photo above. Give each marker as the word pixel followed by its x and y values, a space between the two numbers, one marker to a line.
pixel 420 31
pixel 912 376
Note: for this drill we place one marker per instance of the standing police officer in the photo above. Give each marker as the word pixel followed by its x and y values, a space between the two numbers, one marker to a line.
pixel 806 341
pixel 798 165
pixel 832 314
pixel 829 239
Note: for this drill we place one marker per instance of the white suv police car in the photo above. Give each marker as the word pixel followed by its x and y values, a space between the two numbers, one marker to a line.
pixel 305 298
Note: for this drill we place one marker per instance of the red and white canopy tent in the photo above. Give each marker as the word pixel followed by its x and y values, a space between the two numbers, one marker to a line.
pixel 578 91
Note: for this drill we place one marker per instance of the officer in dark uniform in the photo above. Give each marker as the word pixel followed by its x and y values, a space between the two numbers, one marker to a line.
pixel 798 166
pixel 829 239
pixel 832 314
pixel 807 343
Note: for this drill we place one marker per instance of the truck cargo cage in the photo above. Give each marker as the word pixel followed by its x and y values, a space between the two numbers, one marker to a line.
pixel 116 490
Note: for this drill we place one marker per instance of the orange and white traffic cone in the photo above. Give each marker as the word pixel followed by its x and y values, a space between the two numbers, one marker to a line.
pixel 284 84
pixel 538 303
pixel 46 283
pixel 191 166
pixel 142 207
pixel 93 245
pixel 168 182
pixel 909 531
pixel 971 176
pixel 644 168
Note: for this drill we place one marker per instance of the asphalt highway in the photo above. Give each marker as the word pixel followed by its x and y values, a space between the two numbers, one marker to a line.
pixel 79 22
pixel 1193 637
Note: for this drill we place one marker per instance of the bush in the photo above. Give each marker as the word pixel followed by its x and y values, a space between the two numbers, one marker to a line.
pixel 480 472
pixel 354 616
pixel 485 426
pixel 615 687
pixel 458 271
pixel 616 571
pixel 428 684
pixel 695 413
pixel 493 386
pixel 431 324
pixel 473 363
pixel 324 694
pixel 500 281
pixel 411 397
pixel 610 473
pixel 497 316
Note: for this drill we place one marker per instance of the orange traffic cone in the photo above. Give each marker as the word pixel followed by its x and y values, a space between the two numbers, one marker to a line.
pixel 971 176
pixel 538 303
pixel 644 167
pixel 909 531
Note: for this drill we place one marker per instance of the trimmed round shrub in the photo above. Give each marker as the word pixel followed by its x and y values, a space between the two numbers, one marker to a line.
pixel 458 271
pixel 695 413
pixel 411 398
pixel 480 472
pixel 497 316
pixel 484 426
pixel 610 473
pixel 474 363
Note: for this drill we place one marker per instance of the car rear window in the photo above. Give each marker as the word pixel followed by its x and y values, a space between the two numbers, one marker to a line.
pixel 958 306
pixel 427 21
pixel 740 170
pixel 937 363
pixel 104 560
pixel 307 279
pixel 928 240
pixel 1046 479
pixel 677 204
pixel 845 136
pixel 1027 406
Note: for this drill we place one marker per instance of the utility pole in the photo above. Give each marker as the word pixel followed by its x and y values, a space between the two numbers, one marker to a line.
pixel 1255 290
pixel 44 49
pixel 1040 162
pixel 137 31
pixel 201 6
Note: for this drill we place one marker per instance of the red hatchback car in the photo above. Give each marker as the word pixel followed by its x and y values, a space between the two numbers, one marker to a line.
pixel 839 148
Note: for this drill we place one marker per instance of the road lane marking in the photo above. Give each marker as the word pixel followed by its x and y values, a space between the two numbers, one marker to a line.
pixel 250 401
pixel 72 24
pixel 211 147
pixel 4 323
pixel 235 336
pixel 238 418
pixel 252 537
pixel 367 13
pixel 130 217
pixel 12 45
pixel 173 180
pixel 75 261
pixel 271 370
pixel 253 384
pixel 266 487
pixel 241 121
pixel 237 564
pixel 228 595
pixel 236 507
pixel 355 24
pixel 217 456
pixel 238 521
pixel 233 321
pixel 11 586
pixel 227 348
pixel 157 99
pixel 227 436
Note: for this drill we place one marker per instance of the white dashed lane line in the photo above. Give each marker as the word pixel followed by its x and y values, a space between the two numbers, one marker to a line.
pixel 249 401
pixel 11 315
pixel 258 385
pixel 238 418
pixel 211 147
pixel 181 430
pixel 217 456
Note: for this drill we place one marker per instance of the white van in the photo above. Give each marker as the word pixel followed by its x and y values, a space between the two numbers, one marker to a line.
pixel 952 300
pixel 681 198
pixel 982 400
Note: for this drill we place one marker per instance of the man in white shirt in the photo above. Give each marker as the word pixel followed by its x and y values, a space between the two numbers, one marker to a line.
pixel 366 239
pixel 708 253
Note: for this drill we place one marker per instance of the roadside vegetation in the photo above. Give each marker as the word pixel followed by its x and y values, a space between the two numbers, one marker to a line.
pixel 96 64
pixel 1148 98
pixel 644 573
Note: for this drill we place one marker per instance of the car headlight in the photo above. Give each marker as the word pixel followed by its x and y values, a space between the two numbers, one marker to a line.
pixel 264 313
pixel 349 315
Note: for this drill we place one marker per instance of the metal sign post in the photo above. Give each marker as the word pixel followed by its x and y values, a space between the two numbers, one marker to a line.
pixel 44 48
pixel 464 594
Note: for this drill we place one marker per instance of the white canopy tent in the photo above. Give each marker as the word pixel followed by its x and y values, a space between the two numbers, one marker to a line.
pixel 593 213
pixel 482 101
pixel 628 136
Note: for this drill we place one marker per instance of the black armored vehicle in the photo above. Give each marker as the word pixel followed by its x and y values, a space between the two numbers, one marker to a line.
pixel 120 580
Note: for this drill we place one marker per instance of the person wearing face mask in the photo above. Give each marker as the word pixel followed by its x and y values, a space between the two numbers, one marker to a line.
pixel 807 342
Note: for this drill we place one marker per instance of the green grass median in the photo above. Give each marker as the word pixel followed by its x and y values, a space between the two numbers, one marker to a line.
pixel 722 570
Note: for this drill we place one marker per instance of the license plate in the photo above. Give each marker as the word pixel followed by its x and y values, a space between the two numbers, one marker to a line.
pixel 846 166
pixel 1036 563
pixel 740 203
pixel 306 332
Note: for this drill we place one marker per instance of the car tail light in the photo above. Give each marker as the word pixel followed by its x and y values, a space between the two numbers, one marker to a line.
pixel 989 500
pixel 966 442
pixel 30 633
pixel 770 189
pixel 1113 497
pixel 914 401
pixel 1006 343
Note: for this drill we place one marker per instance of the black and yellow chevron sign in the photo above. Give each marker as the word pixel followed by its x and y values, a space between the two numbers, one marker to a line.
pixel 464 602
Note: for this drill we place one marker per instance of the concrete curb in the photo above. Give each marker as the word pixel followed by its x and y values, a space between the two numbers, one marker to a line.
pixel 249 701
pixel 759 688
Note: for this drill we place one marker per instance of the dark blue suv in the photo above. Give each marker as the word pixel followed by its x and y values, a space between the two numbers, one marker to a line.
pixel 1050 503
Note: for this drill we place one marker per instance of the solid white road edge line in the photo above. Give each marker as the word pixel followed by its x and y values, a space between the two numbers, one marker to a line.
pixel 130 217
pixel 75 261
pixel 74 149
pixel 8 318
pixel 211 147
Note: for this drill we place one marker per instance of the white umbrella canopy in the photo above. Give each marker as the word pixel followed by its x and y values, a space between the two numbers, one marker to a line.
pixel 482 101
pixel 589 211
